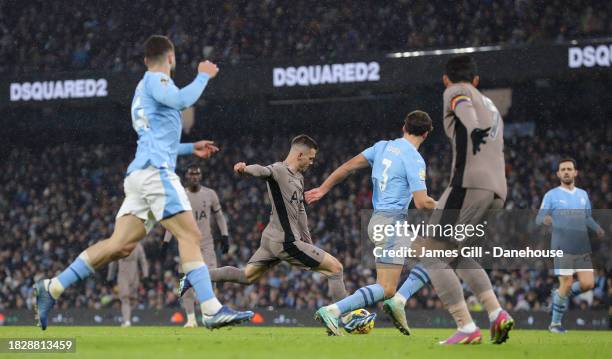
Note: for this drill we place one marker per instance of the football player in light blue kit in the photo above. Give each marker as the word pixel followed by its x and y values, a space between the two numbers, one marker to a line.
pixel 398 175
pixel 153 192
pixel 568 210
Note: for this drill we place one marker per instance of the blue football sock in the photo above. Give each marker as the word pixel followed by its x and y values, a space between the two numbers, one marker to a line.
pixel 200 281
pixel 575 290
pixel 559 306
pixel 363 297
pixel 77 271
pixel 417 278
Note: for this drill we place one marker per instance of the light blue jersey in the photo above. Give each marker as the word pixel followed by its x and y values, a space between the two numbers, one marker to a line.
pixel 398 170
pixel 571 216
pixel 156 118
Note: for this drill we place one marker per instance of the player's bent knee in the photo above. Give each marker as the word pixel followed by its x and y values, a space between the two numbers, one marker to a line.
pixel 127 249
pixel 336 267
pixel 252 274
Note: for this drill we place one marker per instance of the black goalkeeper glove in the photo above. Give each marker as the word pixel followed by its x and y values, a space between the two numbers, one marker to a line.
pixel 224 244
pixel 478 138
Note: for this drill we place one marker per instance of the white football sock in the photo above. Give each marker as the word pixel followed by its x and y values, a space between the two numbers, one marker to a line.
pixel 85 257
pixel 493 315
pixel 399 298
pixel 210 307
pixel 468 328
pixel 189 266
pixel 334 309
pixel 54 286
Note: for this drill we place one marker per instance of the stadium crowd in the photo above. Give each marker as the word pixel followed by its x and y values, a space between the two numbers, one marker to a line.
pixel 56 201
pixel 43 35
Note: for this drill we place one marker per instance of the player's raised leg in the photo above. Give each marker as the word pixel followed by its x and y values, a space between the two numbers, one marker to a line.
pixel 128 231
pixel 185 230
pixel 235 274
pixel 259 263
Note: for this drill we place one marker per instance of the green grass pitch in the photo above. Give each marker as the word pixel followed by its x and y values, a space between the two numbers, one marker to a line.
pixel 311 343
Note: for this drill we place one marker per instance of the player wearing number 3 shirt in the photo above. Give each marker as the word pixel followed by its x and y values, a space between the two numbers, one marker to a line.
pixel 398 175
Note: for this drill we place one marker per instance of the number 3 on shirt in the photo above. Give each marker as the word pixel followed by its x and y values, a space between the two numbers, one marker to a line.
pixel 383 184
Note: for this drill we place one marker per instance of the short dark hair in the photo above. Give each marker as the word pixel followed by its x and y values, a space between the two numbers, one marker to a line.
pixel 304 140
pixel 157 46
pixel 461 68
pixel 418 123
pixel 566 159
pixel 192 166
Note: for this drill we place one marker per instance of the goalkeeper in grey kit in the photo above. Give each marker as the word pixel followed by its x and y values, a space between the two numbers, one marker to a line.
pixel 205 206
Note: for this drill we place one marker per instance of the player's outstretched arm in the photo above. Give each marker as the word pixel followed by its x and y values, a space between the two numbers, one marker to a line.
pixel 171 96
pixel 258 171
pixel 202 149
pixel 340 174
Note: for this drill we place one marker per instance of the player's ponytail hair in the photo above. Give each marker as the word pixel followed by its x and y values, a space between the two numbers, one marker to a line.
pixel 156 47
pixel 418 123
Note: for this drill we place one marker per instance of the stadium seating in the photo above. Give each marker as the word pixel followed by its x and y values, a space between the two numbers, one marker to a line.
pixel 73 35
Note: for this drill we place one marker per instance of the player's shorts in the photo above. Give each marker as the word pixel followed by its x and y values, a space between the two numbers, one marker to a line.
pixel 464 206
pixel 573 263
pixel 274 250
pixel 152 195
pixel 388 248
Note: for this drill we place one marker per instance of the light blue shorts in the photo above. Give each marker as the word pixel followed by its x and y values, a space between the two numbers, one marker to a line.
pixel 389 248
